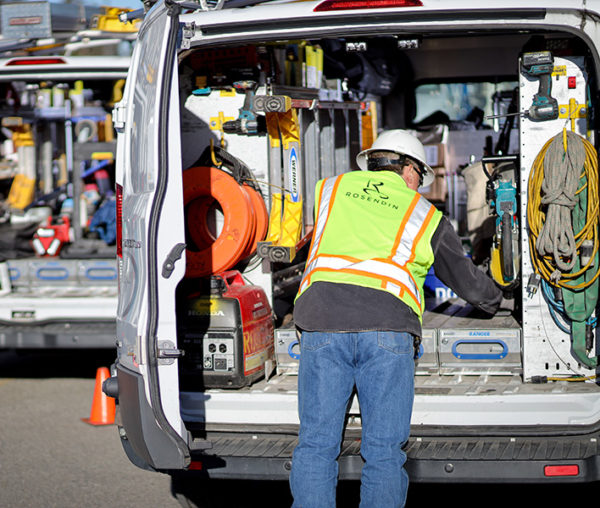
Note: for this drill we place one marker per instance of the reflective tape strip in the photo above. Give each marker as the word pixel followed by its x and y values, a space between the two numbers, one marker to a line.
pixel 405 219
pixel 386 271
pixel 421 232
pixel 392 288
pixel 412 230
pixel 328 190
pixel 329 261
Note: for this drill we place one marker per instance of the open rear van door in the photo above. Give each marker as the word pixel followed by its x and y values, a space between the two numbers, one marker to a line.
pixel 150 248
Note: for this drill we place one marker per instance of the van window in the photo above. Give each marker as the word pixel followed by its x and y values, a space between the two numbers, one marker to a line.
pixel 459 100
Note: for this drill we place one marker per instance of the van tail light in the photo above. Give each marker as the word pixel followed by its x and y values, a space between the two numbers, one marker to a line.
pixel 36 61
pixel 119 189
pixel 561 470
pixel 343 5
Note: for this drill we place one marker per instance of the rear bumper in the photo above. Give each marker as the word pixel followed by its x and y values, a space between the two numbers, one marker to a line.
pixel 430 460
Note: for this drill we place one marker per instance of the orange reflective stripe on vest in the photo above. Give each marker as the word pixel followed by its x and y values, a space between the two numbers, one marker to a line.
pixel 389 273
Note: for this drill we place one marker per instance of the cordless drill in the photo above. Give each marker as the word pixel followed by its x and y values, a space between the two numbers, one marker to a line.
pixel 247 122
pixel 540 65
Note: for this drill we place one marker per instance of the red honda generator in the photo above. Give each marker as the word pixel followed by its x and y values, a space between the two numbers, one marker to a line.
pixel 226 331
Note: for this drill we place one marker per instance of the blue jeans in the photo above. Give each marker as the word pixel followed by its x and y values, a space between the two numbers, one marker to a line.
pixel 381 366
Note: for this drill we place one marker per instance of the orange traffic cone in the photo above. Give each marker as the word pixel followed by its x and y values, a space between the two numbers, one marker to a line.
pixel 103 407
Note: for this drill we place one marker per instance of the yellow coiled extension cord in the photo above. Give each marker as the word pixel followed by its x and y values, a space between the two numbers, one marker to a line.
pixel 546 265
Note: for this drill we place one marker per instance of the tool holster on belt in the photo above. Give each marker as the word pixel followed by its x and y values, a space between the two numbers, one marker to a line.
pixel 416 345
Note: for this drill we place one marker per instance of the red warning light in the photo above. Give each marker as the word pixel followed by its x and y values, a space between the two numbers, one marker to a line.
pixel 343 5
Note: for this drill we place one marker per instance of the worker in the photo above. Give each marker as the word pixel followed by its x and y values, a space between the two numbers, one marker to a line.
pixel 359 309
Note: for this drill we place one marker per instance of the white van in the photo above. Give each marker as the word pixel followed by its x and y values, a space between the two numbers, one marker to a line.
pixel 226 105
pixel 58 274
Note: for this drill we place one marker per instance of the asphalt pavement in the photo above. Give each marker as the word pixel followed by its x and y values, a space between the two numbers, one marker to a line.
pixel 50 458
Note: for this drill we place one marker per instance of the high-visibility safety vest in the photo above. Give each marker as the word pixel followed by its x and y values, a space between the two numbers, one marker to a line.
pixel 371 230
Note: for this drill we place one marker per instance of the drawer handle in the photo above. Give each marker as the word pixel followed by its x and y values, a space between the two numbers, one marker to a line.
pixel 480 356
pixel 295 356
pixel 52 273
pixel 101 273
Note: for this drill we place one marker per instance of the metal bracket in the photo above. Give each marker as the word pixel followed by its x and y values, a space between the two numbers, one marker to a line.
pixel 188 31
pixel 119 116
pixel 167 352
pixel 211 5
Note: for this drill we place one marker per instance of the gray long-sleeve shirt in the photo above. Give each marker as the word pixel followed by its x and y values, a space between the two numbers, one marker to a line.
pixel 334 307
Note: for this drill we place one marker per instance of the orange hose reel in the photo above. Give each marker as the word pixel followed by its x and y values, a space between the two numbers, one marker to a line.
pixel 245 220
pixel 262 218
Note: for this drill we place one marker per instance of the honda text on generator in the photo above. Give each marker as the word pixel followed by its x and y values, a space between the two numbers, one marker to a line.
pixel 228 119
pixel 58 273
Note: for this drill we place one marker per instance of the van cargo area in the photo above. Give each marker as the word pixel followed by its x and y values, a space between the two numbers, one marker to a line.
pixel 254 112
pixel 232 96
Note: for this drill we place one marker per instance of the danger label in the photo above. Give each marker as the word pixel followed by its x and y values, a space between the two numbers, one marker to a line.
pixel 28 20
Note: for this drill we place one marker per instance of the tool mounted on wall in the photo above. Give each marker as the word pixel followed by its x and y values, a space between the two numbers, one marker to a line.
pixel 285 221
pixel 247 122
pixel 538 65
pixel 501 194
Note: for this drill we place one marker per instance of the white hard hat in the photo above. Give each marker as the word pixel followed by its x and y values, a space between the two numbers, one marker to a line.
pixel 401 142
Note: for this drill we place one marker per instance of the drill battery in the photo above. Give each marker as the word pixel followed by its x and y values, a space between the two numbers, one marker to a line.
pixel 226 332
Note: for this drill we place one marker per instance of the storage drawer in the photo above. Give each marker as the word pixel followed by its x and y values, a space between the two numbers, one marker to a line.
pixel 287 351
pixel 470 351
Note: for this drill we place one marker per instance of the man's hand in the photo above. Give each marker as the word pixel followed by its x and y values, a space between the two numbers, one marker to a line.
pixel 506 307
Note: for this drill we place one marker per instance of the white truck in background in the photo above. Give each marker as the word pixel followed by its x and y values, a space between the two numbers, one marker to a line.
pixel 227 104
pixel 59 79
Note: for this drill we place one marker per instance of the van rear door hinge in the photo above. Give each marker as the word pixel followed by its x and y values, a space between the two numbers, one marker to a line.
pixel 167 352
pixel 119 116
pixel 188 30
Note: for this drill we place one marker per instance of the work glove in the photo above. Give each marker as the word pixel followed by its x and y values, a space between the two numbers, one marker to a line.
pixel 506 307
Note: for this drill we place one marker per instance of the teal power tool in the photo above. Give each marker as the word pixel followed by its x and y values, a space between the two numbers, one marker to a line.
pixel 247 122
pixel 501 195
pixel 540 65
pixel 505 203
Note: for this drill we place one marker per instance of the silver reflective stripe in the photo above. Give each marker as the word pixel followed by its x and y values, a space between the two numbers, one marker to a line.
pixel 323 213
pixel 398 277
pixel 411 230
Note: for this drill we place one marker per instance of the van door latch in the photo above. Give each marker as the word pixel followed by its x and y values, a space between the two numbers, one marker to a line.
pixel 167 352
pixel 169 264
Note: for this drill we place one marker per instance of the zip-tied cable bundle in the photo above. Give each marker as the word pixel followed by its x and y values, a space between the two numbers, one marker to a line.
pixel 562 217
pixel 566 166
